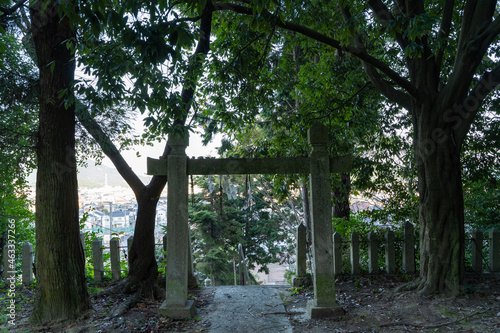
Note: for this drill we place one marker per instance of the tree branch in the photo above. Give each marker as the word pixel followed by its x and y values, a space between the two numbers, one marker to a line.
pixel 444 30
pixel 109 148
pixel 414 7
pixel 490 33
pixel 474 41
pixel 196 61
pixel 12 10
pixel 361 54
pixel 383 14
pixel 384 87
pixel 475 16
pixel 488 82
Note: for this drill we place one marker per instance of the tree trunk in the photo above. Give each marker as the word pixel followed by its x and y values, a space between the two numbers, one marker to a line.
pixel 442 235
pixel 60 272
pixel 142 260
pixel 307 214
pixel 341 209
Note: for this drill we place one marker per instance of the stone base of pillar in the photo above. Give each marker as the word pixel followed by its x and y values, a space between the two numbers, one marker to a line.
pixel 314 311
pixel 178 311
pixel 193 282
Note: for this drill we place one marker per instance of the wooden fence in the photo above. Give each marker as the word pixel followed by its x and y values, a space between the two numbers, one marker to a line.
pixel 371 249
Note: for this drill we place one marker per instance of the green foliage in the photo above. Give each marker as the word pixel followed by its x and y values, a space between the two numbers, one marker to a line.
pixel 89 237
pixel 17 140
pixel 137 53
pixel 481 171
pixel 220 224
pixel 482 204
pixel 357 223
pixel 289 275
pixel 296 291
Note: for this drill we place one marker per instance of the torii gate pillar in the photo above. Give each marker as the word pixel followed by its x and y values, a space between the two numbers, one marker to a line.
pixel 324 303
pixel 176 304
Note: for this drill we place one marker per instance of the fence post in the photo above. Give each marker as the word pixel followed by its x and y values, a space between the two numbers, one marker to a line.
pixel 301 256
pixel 97 258
pixel 372 253
pixel 409 249
pixel 355 253
pixel 494 250
pixel 114 250
pixel 390 253
pixel 27 264
pixel 337 253
pixel 477 251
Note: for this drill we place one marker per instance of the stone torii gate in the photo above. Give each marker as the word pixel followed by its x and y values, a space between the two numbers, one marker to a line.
pixel 177 167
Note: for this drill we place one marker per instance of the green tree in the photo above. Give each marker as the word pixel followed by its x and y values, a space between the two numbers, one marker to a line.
pixel 251 218
pixel 139 51
pixel 272 94
pixel 18 121
pixel 432 58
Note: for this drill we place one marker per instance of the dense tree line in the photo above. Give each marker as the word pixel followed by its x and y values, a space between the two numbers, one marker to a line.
pixel 407 87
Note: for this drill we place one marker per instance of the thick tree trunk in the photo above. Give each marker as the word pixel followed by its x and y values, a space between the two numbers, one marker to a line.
pixel 60 273
pixel 442 235
pixel 142 260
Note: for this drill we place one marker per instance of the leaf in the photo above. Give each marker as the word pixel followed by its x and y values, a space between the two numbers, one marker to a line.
pixel 52 65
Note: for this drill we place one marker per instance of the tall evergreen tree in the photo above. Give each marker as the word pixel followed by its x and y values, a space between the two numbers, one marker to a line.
pixel 59 259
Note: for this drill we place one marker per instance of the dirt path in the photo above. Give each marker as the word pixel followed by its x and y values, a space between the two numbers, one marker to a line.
pixel 371 305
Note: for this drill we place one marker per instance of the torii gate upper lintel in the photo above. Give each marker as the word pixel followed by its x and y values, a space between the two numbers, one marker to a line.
pixel 177 167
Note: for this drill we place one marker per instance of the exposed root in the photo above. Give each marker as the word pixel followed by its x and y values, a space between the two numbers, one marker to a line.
pixel 121 287
pixel 410 286
pixel 125 305
pixel 145 289
pixel 427 290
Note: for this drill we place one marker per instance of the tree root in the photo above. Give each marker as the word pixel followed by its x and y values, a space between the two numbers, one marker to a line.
pixel 410 286
pixel 122 287
pixel 125 305
pixel 148 290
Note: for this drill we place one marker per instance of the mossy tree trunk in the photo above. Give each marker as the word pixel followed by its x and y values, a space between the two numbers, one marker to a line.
pixel 441 209
pixel 62 292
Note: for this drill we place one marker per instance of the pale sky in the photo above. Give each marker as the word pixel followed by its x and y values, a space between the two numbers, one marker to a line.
pixel 195 149
pixel 138 164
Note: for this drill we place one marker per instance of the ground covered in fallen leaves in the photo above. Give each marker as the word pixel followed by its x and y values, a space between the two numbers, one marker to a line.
pixel 371 304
